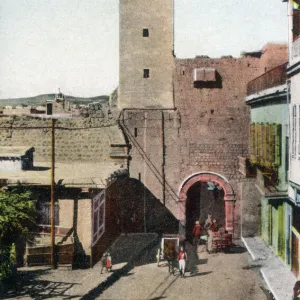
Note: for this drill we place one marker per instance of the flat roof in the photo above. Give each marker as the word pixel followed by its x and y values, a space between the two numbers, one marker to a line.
pixel 73 174
pixel 15 151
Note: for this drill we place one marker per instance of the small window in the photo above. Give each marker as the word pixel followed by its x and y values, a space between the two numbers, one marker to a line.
pixel 146 73
pixel 145 32
pixel 135 132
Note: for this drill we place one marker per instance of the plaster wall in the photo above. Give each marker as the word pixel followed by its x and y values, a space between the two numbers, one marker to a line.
pixel 275 111
pixel 294 174
pixel 84 224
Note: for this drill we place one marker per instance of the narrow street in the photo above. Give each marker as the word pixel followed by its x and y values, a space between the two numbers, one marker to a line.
pixel 219 276
pixel 211 276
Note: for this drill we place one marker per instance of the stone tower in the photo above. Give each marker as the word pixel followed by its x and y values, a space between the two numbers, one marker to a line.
pixel 146 54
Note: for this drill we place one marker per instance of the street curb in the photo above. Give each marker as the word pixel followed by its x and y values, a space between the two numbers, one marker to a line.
pixel 248 249
pixel 268 284
pixel 260 270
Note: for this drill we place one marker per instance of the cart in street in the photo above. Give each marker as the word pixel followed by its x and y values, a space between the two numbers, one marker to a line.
pixel 168 251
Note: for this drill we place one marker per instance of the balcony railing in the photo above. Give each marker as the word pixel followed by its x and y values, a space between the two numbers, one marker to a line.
pixel 272 78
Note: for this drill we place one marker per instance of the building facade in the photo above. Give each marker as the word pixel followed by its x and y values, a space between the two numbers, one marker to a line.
pixel 268 133
pixel 146 54
pixel 186 132
pixel 293 72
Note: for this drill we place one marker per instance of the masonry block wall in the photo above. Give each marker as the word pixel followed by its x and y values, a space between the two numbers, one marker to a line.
pixel 77 139
pixel 206 132
pixel 214 120
pixel 146 43
pixel 273 55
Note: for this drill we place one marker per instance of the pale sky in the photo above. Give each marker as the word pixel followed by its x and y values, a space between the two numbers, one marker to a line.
pixel 73 44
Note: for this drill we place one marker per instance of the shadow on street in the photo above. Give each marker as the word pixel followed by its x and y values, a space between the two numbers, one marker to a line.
pixel 26 284
pixel 201 274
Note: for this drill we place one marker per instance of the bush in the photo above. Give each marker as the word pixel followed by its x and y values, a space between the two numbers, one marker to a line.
pixel 7 262
pixel 17 215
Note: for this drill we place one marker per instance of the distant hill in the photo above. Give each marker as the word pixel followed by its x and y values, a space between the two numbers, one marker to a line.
pixel 41 100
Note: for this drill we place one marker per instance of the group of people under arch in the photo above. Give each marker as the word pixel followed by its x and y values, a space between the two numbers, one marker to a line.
pixel 216 237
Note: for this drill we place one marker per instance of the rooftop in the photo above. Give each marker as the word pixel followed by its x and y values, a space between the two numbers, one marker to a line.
pixel 15 151
pixel 81 175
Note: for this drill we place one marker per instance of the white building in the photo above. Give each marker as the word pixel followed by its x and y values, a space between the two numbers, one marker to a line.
pixel 293 73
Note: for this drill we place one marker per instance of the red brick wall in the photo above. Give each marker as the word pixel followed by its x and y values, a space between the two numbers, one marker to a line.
pixel 273 55
pixel 214 121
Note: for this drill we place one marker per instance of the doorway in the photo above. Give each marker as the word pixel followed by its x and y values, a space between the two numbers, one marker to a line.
pixel 202 199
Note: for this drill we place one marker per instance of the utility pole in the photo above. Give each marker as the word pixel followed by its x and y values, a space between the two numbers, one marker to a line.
pixel 52 193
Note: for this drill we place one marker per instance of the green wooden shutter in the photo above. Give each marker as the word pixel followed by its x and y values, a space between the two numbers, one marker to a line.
pixel 252 143
pixel 278 145
pixel 272 144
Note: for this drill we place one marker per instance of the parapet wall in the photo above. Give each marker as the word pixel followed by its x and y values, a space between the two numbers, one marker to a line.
pixel 76 139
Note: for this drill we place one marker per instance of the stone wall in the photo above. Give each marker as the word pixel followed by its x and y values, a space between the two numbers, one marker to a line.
pixel 206 132
pixel 214 121
pixel 250 208
pixel 153 52
pixel 77 139
pixel 273 55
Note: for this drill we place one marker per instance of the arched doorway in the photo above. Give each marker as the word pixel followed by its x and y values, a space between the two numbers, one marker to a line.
pixel 222 191
pixel 203 199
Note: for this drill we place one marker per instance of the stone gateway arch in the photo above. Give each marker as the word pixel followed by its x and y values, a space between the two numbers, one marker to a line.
pixel 221 183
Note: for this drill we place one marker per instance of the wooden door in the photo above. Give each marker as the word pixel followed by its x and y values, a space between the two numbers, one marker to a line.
pixel 295 255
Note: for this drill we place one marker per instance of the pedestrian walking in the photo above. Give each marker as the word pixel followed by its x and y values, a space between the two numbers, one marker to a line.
pixel 103 262
pixel 182 258
pixel 196 233
pixel 211 230
pixel 213 226
pixel 208 222
pixel 108 263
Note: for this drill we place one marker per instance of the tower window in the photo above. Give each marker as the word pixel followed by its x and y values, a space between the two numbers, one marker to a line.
pixel 146 73
pixel 145 32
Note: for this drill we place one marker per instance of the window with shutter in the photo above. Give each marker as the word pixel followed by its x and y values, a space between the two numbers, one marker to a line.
pixel 296 23
pixel 272 144
pixel 278 145
pixel 264 144
pixel 259 144
pixel 98 214
pixel 269 162
pixel 293 129
pixel 257 134
pixel 252 135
